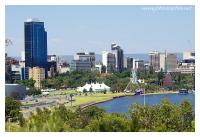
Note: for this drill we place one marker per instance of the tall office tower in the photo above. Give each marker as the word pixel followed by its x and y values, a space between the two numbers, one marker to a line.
pixel 171 62
pixel 35 44
pixel 168 62
pixel 129 63
pixel 37 74
pixel 52 65
pixel 119 55
pixel 154 60
pixel 138 65
pixel 125 62
pixel 109 61
pixel 163 57
pixel 84 56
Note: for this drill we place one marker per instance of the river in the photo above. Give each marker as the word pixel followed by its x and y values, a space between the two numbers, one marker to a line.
pixel 121 105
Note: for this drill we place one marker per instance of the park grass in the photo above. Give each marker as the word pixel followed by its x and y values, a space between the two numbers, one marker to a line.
pixel 94 98
pixel 62 92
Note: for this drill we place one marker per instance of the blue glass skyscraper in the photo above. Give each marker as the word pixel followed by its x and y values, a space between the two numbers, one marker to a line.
pixel 35 38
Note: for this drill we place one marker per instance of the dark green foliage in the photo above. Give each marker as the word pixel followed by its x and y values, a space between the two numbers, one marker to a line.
pixel 12 111
pixel 33 91
pixel 109 123
pixel 162 117
pixel 28 83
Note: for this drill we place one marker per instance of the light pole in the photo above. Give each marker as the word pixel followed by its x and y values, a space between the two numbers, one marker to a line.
pixel 144 95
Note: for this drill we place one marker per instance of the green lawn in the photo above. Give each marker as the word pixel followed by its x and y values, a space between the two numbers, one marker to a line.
pixel 64 92
pixel 93 98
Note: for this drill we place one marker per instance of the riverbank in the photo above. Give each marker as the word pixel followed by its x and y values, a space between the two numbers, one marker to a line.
pixel 82 100
pixel 94 98
pixel 86 101
pixel 162 92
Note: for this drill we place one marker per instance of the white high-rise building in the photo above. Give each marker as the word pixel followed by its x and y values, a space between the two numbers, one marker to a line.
pixel 23 56
pixel 162 61
pixel 125 62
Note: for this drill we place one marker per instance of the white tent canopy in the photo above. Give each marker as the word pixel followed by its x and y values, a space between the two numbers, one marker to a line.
pixel 94 86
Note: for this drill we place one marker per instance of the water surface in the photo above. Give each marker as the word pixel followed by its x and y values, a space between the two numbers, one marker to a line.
pixel 121 105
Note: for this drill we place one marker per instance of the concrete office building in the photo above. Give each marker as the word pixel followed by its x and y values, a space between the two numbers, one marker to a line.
pixel 187 65
pixel 188 55
pixel 129 63
pixel 37 74
pixel 52 65
pixel 80 65
pixel 171 62
pixel 168 62
pixel 125 62
pixel 86 56
pixel 15 72
pixel 138 64
pixel 154 60
pixel 109 61
pixel 119 56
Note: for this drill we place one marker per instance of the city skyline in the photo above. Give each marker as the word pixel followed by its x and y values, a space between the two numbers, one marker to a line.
pixel 82 30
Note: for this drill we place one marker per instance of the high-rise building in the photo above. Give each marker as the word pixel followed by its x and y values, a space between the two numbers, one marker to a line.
pixel 129 63
pixel 52 65
pixel 80 65
pixel 84 56
pixel 37 74
pixel 171 62
pixel 168 62
pixel 109 61
pixel 119 56
pixel 154 60
pixel 35 44
pixel 125 62
pixel 138 64
pixel 163 58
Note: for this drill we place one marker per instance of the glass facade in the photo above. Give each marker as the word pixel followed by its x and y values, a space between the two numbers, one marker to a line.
pixel 35 38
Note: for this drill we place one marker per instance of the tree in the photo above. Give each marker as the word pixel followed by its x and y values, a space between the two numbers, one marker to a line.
pixel 103 69
pixel 91 90
pixel 33 91
pixel 187 114
pixel 85 91
pixel 160 76
pixel 109 123
pixel 44 84
pixel 71 95
pixel 12 110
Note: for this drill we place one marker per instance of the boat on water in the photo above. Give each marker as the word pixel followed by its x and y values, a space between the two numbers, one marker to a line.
pixel 183 91
pixel 138 92
pixel 193 91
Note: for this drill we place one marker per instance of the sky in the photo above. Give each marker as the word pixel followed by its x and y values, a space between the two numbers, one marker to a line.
pixel 137 29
